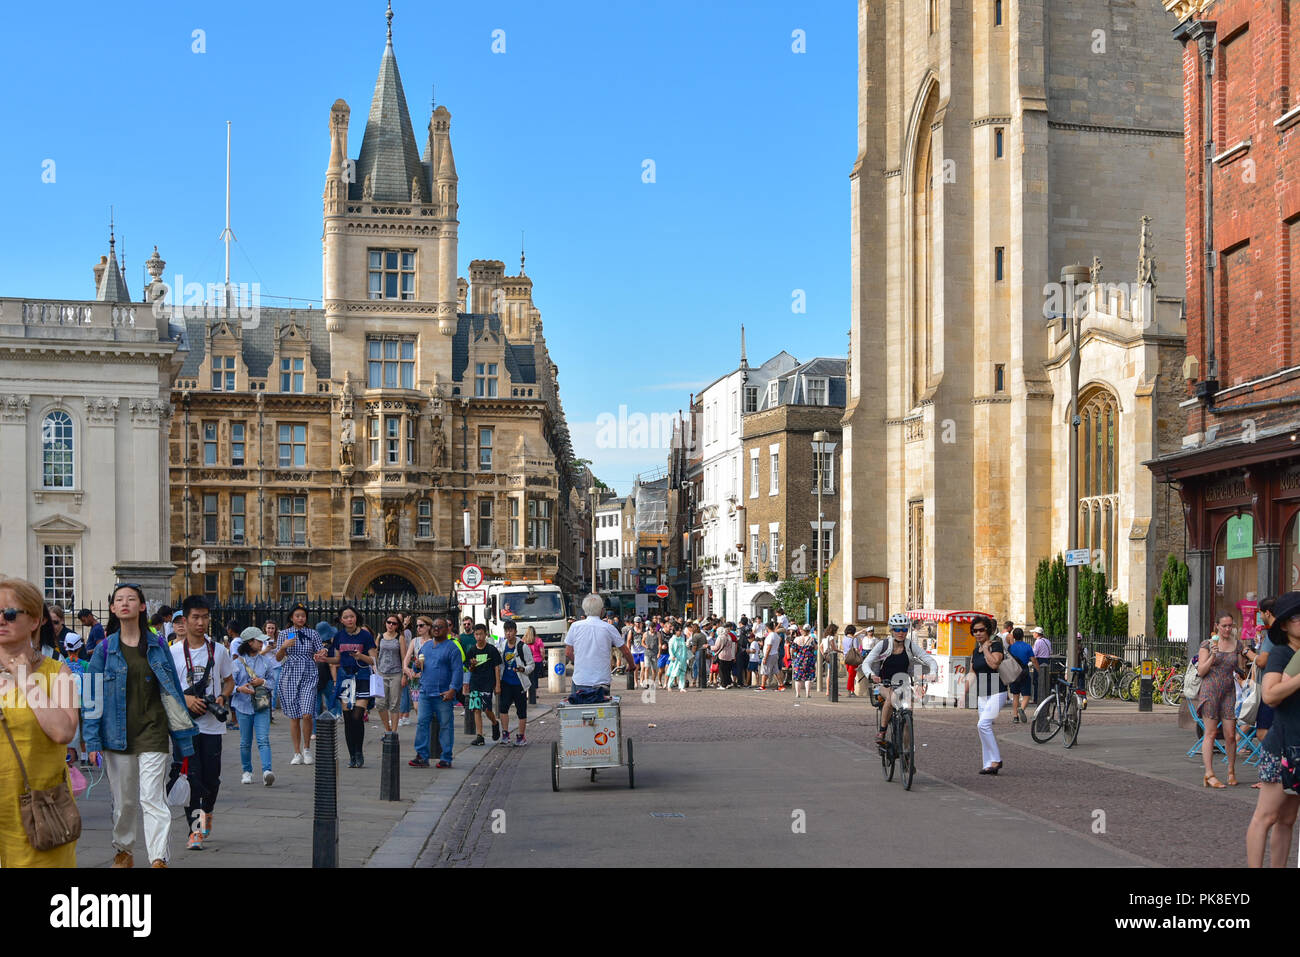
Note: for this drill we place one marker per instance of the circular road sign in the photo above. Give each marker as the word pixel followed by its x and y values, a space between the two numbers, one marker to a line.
pixel 662 591
pixel 471 576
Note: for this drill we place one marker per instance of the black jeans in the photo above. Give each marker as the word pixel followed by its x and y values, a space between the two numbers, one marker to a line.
pixel 724 672
pixel 204 775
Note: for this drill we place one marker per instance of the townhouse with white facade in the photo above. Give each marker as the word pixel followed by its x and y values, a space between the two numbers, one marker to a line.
pixel 719 508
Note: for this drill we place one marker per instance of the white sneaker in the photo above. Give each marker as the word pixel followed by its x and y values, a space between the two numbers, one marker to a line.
pixel 268 778
pixel 246 778
pixel 306 755
pixel 297 758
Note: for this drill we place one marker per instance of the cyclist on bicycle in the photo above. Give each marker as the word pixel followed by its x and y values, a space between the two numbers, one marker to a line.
pixel 895 656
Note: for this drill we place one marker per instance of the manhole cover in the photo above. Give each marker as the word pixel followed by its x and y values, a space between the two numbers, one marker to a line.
pixel 666 814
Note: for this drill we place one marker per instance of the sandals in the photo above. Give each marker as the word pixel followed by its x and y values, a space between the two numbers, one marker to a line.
pixel 1210 777
pixel 1232 780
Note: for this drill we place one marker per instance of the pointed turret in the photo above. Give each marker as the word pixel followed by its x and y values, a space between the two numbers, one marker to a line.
pixel 110 286
pixel 744 363
pixel 389 158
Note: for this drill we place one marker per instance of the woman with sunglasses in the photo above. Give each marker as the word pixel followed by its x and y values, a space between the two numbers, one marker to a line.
pixel 38 711
pixel 141 715
pixel 388 665
pixel 991 693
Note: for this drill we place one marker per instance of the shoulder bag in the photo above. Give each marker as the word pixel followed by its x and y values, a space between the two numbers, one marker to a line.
pixel 1191 682
pixel 261 694
pixel 1009 670
pixel 1248 706
pixel 49 817
pixel 853 657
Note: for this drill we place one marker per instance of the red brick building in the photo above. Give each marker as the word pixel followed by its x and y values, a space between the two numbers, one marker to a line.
pixel 1238 472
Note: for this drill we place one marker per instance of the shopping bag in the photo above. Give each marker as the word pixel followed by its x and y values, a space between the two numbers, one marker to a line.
pixel 179 795
pixel 376 685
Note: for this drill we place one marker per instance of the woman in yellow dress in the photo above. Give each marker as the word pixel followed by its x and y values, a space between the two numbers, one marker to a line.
pixel 40 704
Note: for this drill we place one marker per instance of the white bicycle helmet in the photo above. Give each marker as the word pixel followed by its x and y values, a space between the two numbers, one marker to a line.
pixel 899 620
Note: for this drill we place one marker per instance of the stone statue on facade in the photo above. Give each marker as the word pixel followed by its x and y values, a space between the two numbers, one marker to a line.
pixel 390 525
pixel 367 187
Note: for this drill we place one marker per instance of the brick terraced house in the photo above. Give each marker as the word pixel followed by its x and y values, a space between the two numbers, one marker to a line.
pixel 1238 472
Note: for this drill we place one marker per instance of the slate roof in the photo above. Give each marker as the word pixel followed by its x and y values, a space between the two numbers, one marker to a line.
pixel 389 154
pixel 112 286
pixel 793 384
pixel 259 342
pixel 521 360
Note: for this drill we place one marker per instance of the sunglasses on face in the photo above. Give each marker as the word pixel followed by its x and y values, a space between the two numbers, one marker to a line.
pixel 979 631
pixel 11 614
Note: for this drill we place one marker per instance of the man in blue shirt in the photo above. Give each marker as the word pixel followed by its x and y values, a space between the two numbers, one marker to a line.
pixel 443 675
pixel 96 629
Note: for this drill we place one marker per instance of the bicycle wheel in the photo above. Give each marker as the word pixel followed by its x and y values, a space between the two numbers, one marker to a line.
pixel 1045 722
pixel 1174 691
pixel 1125 685
pixel 1098 684
pixel 907 750
pixel 1134 688
pixel 888 756
pixel 1071 720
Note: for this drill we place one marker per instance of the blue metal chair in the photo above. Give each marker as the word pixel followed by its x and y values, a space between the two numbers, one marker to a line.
pixel 1200 725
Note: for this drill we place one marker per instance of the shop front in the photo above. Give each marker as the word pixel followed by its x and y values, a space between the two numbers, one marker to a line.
pixel 1243 543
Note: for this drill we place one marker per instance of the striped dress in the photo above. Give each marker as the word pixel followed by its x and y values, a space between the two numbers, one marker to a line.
pixel 298 674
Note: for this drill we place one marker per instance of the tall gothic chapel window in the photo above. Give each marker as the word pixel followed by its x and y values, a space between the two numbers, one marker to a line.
pixel 923 211
pixel 1098 463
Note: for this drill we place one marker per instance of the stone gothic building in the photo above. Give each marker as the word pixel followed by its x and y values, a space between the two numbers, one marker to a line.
pixel 410 426
pixel 998 144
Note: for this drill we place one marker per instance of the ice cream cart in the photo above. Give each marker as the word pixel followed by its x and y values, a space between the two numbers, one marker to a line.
pixel 591 738
pixel 948 634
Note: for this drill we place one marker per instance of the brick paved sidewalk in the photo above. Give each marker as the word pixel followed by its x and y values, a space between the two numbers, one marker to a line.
pixel 259 826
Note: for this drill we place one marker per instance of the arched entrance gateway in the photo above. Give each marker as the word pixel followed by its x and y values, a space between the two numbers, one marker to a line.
pixel 390 576
pixel 392 585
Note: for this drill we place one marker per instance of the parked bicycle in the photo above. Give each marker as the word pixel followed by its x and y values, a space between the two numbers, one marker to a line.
pixel 900 740
pixel 1060 711
pixel 1113 675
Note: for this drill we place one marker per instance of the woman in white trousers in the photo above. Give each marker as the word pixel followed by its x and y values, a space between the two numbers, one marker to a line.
pixel 990 691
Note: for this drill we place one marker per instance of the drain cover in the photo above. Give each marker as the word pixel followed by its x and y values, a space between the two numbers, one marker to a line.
pixel 666 814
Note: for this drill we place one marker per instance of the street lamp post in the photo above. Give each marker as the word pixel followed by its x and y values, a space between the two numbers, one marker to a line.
pixel 820 438
pixel 267 569
pixel 1070 276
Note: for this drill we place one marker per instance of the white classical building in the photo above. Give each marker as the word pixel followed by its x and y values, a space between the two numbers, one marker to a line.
pixel 84 415
pixel 609 543
pixel 722 403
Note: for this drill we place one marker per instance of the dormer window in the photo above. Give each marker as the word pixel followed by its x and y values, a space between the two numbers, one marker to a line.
pixel 223 373
pixel 485 380
pixel 817 391
pixel 773 392
pixel 392 274
pixel 291 375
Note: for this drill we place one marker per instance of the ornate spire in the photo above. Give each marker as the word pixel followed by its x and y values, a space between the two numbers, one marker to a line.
pixel 1146 255
pixel 521 252
pixel 390 22
pixel 744 363
pixel 1094 271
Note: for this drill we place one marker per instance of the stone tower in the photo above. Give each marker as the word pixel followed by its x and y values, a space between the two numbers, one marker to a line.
pixel 998 142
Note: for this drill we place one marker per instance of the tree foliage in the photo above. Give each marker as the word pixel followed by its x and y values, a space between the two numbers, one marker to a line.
pixel 1174 583
pixel 1051 596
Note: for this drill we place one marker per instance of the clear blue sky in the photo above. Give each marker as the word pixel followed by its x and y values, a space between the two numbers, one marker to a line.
pixel 642 287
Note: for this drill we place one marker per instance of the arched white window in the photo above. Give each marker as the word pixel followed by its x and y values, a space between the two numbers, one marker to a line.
pixel 1099 477
pixel 56 450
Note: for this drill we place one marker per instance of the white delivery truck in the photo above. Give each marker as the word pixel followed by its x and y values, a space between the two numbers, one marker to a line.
pixel 538 603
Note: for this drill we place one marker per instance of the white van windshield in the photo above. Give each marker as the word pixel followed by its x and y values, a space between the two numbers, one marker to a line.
pixel 539 606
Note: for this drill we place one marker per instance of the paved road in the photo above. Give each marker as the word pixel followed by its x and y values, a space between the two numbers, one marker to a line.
pixel 722 774
pixel 737 766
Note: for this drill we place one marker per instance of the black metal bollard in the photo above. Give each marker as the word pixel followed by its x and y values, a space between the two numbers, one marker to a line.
pixel 325 824
pixel 1146 687
pixel 631 679
pixel 390 768
pixel 469 715
pixel 834 676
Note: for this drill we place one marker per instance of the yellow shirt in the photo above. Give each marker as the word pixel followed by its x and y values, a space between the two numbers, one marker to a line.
pixel 46 763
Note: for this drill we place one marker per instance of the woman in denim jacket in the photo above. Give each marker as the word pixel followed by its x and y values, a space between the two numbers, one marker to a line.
pixel 132 711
